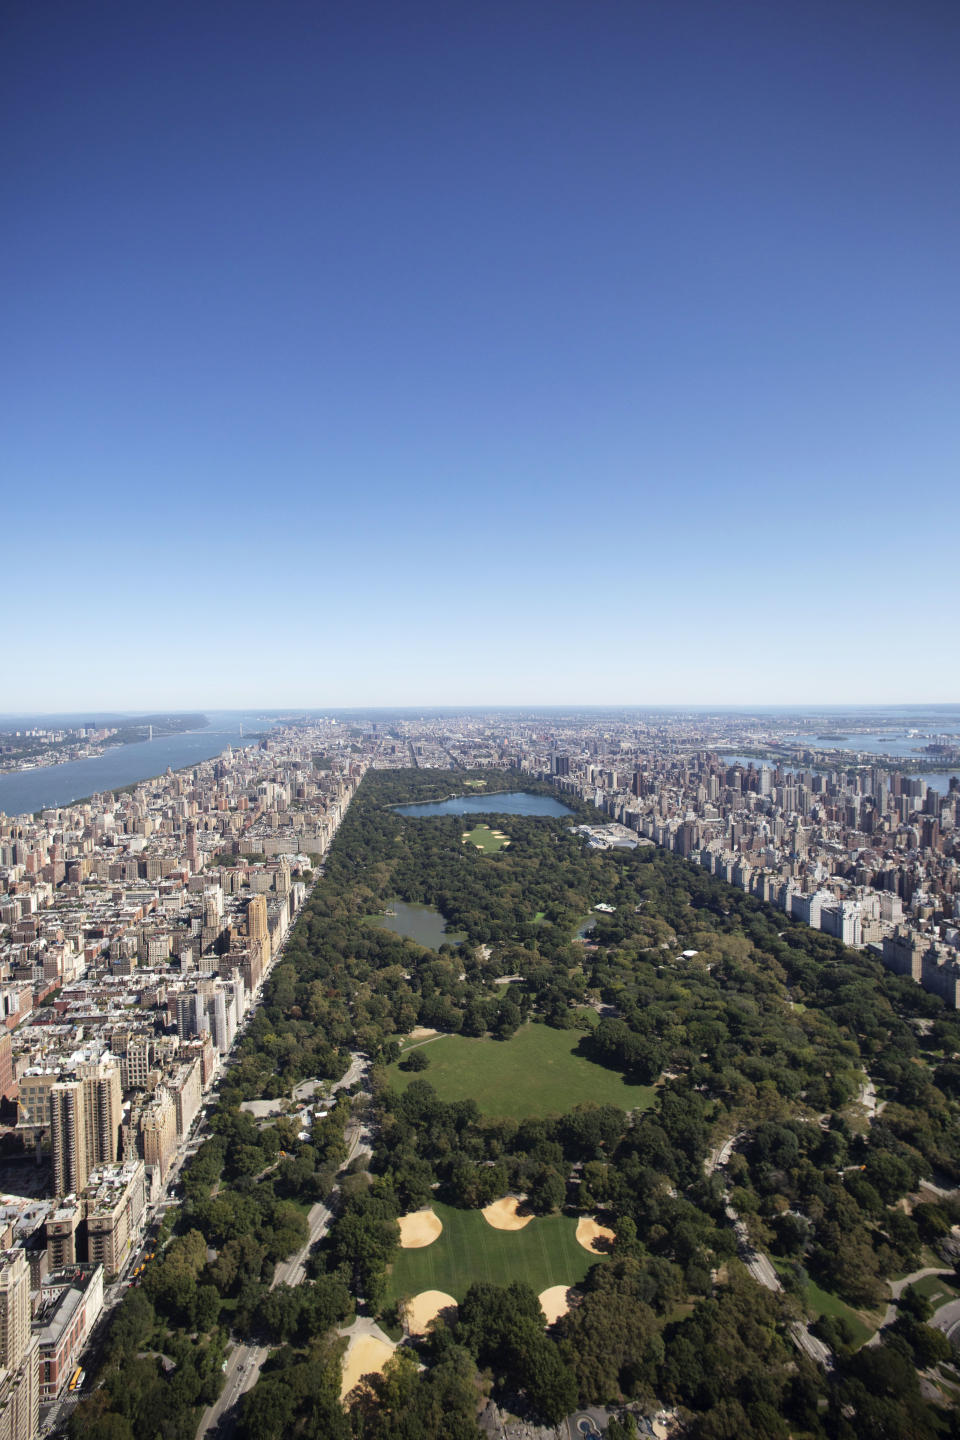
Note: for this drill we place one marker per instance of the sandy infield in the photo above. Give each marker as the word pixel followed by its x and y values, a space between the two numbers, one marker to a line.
pixel 421 1032
pixel 589 1232
pixel 419 1228
pixel 366 1354
pixel 502 1214
pixel 555 1302
pixel 425 1307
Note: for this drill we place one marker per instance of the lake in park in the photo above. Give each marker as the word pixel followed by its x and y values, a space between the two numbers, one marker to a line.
pixel 511 802
pixel 422 923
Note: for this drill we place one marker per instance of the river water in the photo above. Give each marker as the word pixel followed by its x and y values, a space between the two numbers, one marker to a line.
pixel 26 791
pixel 937 780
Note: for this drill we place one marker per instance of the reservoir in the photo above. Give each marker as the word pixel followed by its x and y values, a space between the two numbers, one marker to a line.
pixel 23 792
pixel 512 802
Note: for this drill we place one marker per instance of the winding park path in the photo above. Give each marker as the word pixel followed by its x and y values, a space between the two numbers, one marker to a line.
pixel 245 1360
pixel 947 1318
pixel 757 1263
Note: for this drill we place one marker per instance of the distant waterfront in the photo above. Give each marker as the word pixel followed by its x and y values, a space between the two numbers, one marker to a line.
pixel 937 780
pixel 25 791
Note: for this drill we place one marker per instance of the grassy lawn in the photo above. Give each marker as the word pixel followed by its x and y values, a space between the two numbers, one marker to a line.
pixel 544 1253
pixel 935 1289
pixel 485 839
pixel 533 1073
pixel 822 1302
pixel 826 1304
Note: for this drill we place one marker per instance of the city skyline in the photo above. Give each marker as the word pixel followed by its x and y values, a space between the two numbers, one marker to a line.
pixel 418 355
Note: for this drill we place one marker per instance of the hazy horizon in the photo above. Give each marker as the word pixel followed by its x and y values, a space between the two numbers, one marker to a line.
pixel 95 712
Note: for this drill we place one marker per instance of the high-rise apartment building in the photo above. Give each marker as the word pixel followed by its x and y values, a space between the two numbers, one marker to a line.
pixel 7 1084
pixel 19 1378
pixel 103 1104
pixel 257 924
pixel 113 1204
pixel 191 1015
pixel 158 1130
pixel 68 1137
pixel 139 1062
pixel 33 1100
pixel 62 1227
pixel 85 1116
pixel 14 1308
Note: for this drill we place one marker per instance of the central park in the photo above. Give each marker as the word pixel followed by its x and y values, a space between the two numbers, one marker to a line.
pixel 624 1164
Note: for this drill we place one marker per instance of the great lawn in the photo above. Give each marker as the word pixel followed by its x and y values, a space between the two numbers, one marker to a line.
pixel 485 839
pixel 543 1253
pixel 534 1073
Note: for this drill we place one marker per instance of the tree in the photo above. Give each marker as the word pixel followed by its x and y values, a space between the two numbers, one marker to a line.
pixel 206 1307
pixel 132 1325
pixel 547 1191
pixel 538 1367
pixel 622 1429
pixel 508 1020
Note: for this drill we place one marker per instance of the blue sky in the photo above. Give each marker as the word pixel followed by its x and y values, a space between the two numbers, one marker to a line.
pixel 409 353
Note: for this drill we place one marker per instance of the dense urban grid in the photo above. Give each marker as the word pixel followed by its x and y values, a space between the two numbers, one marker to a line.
pixel 135 933
pixel 137 929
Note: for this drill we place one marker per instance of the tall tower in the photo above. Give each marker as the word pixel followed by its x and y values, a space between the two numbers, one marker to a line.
pixel 158 1130
pixel 14 1308
pixel 258 929
pixel 103 1101
pixel 67 1129
pixel 257 925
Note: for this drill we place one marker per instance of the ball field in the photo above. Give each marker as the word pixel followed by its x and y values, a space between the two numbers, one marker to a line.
pixel 535 1072
pixel 544 1253
pixel 485 839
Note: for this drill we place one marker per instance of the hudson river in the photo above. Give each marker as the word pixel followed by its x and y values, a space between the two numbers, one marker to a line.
pixel 24 791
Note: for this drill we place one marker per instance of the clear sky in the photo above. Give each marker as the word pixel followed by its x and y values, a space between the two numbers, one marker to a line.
pixel 404 353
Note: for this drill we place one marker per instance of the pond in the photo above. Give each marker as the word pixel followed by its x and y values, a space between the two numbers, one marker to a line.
pixel 422 923
pixel 511 802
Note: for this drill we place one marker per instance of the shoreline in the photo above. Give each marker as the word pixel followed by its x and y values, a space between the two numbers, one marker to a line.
pixel 176 765
pixel 906 765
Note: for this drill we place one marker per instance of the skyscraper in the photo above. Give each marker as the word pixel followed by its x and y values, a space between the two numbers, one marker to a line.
pixel 68 1137
pixel 257 925
pixel 258 930
pixel 85 1113
pixel 103 1101
pixel 14 1308
pixel 19 1377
